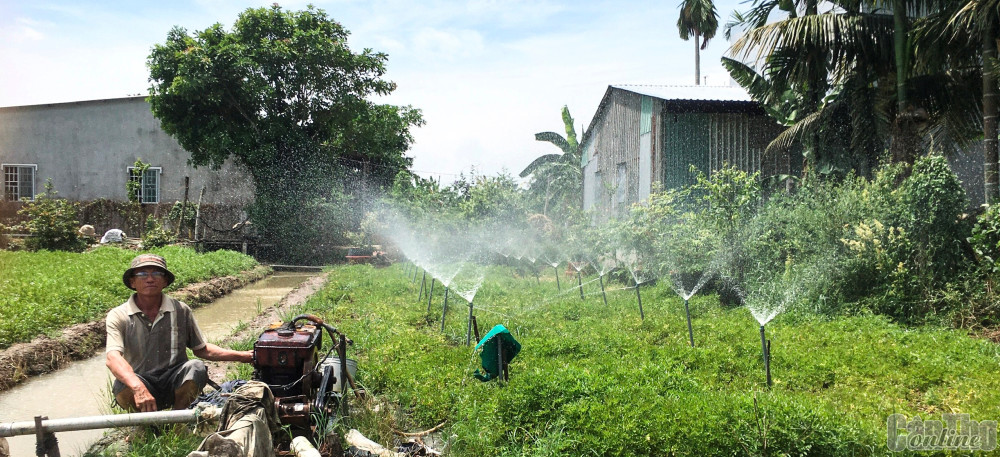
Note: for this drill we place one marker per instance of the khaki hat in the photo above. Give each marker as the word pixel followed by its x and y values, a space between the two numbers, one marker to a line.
pixel 147 260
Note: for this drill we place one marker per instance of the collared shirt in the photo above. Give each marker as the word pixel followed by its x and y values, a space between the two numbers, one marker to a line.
pixel 151 346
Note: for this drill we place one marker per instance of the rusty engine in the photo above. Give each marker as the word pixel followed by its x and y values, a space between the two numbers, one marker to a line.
pixel 287 357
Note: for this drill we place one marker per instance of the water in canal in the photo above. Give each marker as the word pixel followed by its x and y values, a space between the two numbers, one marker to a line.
pixel 81 389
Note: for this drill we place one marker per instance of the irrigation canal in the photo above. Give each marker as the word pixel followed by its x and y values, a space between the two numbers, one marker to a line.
pixel 82 388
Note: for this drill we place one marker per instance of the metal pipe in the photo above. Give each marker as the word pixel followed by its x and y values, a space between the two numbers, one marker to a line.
pixel 767 360
pixel 579 281
pixel 423 282
pixel 98 422
pixel 688 312
pixel 430 294
pixel 468 330
pixel 558 286
pixel 444 310
pixel 603 294
pixel 639 298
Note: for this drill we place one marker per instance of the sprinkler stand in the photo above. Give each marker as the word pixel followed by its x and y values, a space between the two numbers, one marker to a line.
pixel 558 286
pixel 765 347
pixel 579 281
pixel 414 274
pixel 468 330
pixel 423 281
pixel 688 312
pixel 430 293
pixel 444 310
pixel 603 294
pixel 638 297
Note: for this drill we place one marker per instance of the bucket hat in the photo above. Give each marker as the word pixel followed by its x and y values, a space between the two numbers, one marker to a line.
pixel 147 260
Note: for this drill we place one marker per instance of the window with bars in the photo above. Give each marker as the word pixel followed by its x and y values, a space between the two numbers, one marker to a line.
pixel 149 184
pixel 19 181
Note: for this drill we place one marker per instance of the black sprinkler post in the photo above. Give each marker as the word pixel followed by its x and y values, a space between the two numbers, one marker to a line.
pixel 423 281
pixel 765 347
pixel 639 298
pixel 444 310
pixel 556 268
pixel 579 281
pixel 468 330
pixel 430 293
pixel 603 294
pixel 414 274
pixel 688 312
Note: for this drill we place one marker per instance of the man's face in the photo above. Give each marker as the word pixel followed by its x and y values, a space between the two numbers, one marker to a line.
pixel 148 281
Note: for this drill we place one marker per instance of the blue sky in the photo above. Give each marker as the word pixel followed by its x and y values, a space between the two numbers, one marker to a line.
pixel 487 74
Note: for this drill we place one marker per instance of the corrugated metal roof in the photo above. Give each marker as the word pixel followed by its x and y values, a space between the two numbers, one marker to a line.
pixel 701 93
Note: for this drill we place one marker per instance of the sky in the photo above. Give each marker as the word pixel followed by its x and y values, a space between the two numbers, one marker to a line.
pixel 486 74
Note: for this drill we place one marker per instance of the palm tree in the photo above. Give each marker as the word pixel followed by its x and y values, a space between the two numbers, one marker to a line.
pixel 698 18
pixel 843 69
pixel 557 176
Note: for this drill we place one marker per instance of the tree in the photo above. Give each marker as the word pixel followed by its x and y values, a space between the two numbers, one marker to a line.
pixel 557 177
pixel 698 18
pixel 282 95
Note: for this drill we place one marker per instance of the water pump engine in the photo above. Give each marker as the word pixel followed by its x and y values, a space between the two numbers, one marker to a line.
pixel 287 357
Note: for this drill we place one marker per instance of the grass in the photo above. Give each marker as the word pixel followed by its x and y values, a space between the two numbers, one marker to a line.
pixel 44 291
pixel 596 380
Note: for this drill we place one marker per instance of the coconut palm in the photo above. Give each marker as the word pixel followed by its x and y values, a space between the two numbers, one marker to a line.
pixel 698 18
pixel 852 91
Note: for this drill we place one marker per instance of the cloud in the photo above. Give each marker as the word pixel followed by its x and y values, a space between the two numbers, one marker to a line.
pixel 448 45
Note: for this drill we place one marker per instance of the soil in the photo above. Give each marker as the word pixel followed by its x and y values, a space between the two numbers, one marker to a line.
pixel 80 341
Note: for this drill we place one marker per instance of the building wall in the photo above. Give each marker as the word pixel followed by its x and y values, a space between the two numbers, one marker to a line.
pixel 85 148
pixel 615 143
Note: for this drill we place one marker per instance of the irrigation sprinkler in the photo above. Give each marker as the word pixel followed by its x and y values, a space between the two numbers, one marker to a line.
pixel 603 294
pixel 579 281
pixel 765 347
pixel 430 293
pixel 468 330
pixel 423 281
pixel 687 311
pixel 638 297
pixel 556 268
pixel 444 310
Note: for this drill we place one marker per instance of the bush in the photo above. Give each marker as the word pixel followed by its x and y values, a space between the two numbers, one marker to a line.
pixel 51 223
pixel 155 236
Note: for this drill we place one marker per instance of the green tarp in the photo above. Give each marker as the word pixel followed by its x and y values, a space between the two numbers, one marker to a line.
pixel 498 335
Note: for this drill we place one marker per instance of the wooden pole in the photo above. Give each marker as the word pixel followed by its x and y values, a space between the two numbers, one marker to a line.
pixel 197 213
pixel 187 186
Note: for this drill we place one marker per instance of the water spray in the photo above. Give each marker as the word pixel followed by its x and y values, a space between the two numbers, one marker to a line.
pixel 765 346
pixel 430 293
pixel 444 310
pixel 687 311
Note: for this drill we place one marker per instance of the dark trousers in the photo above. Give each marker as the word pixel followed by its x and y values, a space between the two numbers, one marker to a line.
pixel 164 384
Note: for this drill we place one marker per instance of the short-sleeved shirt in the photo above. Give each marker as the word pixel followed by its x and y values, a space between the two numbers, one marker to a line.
pixel 153 346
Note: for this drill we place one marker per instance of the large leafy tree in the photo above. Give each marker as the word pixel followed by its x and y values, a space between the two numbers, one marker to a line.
pixel 557 177
pixel 698 18
pixel 283 95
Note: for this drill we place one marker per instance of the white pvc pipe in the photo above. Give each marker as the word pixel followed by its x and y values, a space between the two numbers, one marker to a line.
pixel 97 422
pixel 301 447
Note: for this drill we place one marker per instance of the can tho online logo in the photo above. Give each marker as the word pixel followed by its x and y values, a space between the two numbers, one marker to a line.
pixel 953 432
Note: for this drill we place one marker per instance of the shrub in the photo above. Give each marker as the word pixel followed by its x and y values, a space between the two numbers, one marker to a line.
pixel 155 236
pixel 189 211
pixel 51 223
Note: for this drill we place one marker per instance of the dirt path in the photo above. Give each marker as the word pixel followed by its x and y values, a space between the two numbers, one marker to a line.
pixel 45 354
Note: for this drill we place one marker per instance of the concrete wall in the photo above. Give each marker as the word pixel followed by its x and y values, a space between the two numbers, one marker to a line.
pixel 85 148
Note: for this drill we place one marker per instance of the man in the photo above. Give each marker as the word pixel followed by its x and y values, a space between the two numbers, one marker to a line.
pixel 147 338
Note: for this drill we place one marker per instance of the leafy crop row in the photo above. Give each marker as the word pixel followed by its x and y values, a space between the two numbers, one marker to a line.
pixel 45 291
pixel 596 380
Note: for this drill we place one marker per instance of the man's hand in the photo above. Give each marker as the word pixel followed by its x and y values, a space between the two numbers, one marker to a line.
pixel 144 400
